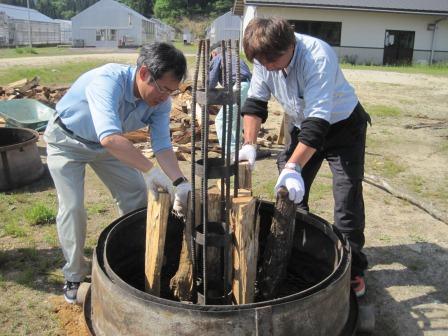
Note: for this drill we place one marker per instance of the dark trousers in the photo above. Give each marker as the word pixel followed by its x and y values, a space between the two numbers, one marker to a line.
pixel 344 150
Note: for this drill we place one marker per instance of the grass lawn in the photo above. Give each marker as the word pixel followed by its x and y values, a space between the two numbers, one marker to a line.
pixel 54 75
pixel 436 69
pixel 61 51
pixel 37 51
pixel 59 74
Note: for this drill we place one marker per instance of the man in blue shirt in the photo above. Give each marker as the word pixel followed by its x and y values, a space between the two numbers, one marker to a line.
pixel 215 77
pixel 326 122
pixel 88 128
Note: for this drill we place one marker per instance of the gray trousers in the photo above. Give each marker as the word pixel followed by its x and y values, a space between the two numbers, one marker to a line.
pixel 67 159
pixel 344 150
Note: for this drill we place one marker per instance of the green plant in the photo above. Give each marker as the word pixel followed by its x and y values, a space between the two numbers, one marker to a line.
pixel 25 50
pixel 40 214
pixel 13 229
pixel 349 59
pixel 97 208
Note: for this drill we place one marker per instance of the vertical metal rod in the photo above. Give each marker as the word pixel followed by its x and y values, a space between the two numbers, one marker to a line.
pixel 193 153
pixel 227 250
pixel 204 56
pixel 223 129
pixel 205 135
pixel 236 182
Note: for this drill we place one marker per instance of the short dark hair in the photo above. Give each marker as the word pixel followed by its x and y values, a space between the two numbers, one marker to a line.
pixel 161 58
pixel 267 39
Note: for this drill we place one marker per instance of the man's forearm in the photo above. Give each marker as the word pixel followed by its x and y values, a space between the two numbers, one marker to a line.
pixel 124 150
pixel 301 155
pixel 168 162
pixel 252 126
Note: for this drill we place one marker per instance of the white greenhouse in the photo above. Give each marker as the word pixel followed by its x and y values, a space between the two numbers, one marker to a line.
pixel 16 24
pixel 66 31
pixel 110 24
pixel 227 26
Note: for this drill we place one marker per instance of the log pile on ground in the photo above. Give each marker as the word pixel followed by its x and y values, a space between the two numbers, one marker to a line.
pixel 24 88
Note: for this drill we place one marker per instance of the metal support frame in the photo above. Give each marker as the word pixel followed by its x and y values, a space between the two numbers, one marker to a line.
pixel 208 234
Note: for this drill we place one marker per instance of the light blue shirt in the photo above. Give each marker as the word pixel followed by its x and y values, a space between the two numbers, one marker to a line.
pixel 314 85
pixel 102 102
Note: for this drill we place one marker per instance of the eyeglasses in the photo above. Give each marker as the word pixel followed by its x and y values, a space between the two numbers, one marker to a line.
pixel 167 92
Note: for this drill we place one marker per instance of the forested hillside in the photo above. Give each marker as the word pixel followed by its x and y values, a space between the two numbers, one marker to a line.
pixel 170 11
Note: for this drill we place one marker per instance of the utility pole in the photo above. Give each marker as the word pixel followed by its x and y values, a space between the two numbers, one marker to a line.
pixel 29 24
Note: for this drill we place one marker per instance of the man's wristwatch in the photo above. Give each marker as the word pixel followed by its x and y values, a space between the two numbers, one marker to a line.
pixel 179 180
pixel 294 166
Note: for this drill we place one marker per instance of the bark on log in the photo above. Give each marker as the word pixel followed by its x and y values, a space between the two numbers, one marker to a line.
pixel 383 185
pixel 278 247
pixel 182 284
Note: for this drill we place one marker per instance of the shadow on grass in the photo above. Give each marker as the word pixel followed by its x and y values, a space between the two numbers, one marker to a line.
pixel 39 269
pixel 394 271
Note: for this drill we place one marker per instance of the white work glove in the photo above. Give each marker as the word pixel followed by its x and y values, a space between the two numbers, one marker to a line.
pixel 155 178
pixel 293 181
pixel 181 192
pixel 248 153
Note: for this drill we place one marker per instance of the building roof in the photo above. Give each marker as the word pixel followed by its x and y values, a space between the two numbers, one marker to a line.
pixel 21 13
pixel 435 7
pixel 128 9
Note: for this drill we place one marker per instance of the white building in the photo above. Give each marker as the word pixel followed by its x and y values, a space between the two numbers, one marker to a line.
pixel 187 36
pixel 365 31
pixel 17 22
pixel 163 32
pixel 110 24
pixel 227 26
pixel 66 31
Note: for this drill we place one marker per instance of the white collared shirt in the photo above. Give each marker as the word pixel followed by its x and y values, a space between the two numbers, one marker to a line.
pixel 314 85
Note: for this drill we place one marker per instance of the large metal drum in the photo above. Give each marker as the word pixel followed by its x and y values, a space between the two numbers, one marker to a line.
pixel 20 160
pixel 319 303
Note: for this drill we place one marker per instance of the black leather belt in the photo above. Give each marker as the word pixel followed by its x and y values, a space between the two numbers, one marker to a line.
pixel 72 135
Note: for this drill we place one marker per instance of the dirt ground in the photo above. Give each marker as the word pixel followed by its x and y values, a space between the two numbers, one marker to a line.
pixel 407 248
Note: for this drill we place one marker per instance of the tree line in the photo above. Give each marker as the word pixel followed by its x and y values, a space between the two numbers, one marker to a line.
pixel 169 11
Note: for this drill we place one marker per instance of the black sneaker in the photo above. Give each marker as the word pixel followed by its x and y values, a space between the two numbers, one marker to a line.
pixel 70 291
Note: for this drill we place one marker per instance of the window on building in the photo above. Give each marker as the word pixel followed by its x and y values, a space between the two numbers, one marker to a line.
pixel 112 35
pixel 106 34
pixel 329 32
pixel 101 34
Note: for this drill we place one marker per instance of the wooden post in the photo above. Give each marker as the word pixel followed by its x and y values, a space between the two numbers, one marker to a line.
pixel 244 176
pixel 182 284
pixel 214 269
pixel 281 134
pixel 278 246
pixel 156 225
pixel 245 250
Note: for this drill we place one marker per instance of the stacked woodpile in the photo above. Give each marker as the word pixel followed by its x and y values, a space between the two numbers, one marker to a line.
pixel 24 88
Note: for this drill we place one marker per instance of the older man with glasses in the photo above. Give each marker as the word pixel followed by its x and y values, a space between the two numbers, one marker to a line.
pixel 88 128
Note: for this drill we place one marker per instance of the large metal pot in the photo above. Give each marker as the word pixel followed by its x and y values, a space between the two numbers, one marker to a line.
pixel 117 304
pixel 20 160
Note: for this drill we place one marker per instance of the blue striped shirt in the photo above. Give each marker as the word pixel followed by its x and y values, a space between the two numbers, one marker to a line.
pixel 102 102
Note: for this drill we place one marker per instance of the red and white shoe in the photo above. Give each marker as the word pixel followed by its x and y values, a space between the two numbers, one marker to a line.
pixel 358 285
